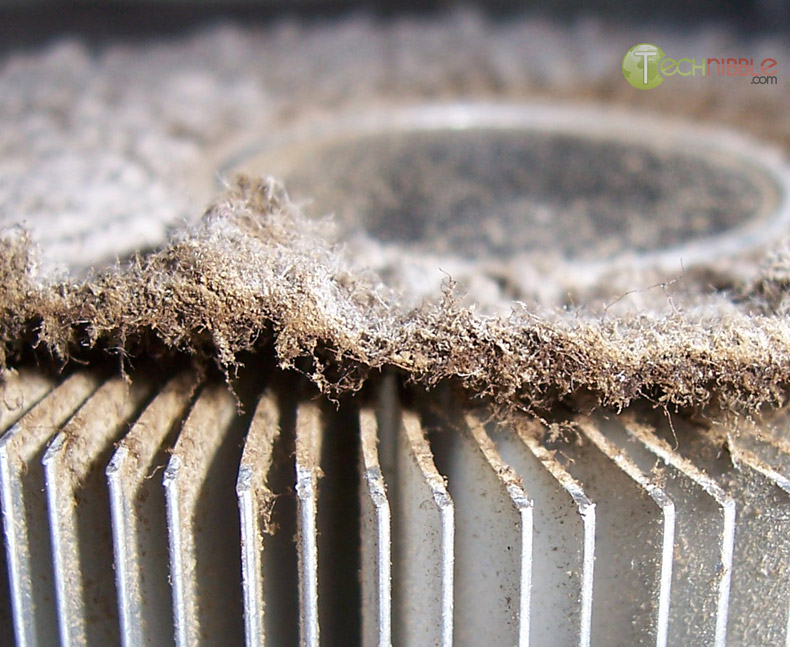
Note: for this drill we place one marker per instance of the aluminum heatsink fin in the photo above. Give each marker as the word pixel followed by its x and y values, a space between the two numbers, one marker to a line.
pixel 661 552
pixel 25 522
pixel 17 394
pixel 770 504
pixel 564 522
pixel 423 532
pixel 268 525
pixel 309 436
pixel 761 579
pixel 704 535
pixel 139 522
pixel 760 583
pixel 79 513
pixel 290 521
pixel 203 522
pixel 376 540
pixel 634 537
pixel 493 536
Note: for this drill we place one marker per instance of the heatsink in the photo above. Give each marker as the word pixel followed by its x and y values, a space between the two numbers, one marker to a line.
pixel 142 513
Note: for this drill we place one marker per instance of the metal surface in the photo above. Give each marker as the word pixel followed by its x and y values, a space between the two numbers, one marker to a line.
pixel 79 513
pixel 376 536
pixel 25 523
pixel 309 436
pixel 493 538
pixel 18 393
pixel 772 506
pixel 705 531
pixel 203 523
pixel 256 502
pixel 297 523
pixel 423 543
pixel 268 525
pixel 760 584
pixel 139 527
pixel 564 540
pixel 633 541
pixel 664 549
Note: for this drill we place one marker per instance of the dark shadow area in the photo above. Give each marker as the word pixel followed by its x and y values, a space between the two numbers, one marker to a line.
pixel 33 23
pixel 339 595
pixel 280 563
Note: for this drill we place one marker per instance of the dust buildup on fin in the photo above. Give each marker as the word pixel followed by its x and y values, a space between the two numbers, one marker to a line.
pixel 256 273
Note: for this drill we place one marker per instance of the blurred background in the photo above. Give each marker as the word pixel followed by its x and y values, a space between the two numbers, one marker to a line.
pixel 117 116
pixel 33 21
pixel 29 22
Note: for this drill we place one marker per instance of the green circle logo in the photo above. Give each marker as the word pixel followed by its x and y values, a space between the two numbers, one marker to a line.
pixel 640 66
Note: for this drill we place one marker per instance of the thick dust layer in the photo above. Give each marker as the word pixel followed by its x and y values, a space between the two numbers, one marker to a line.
pixel 113 149
pixel 256 272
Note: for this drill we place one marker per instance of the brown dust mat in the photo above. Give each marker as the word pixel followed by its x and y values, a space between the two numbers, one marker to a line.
pixel 256 264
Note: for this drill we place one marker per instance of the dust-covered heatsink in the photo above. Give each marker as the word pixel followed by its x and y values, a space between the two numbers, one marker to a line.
pixel 142 514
